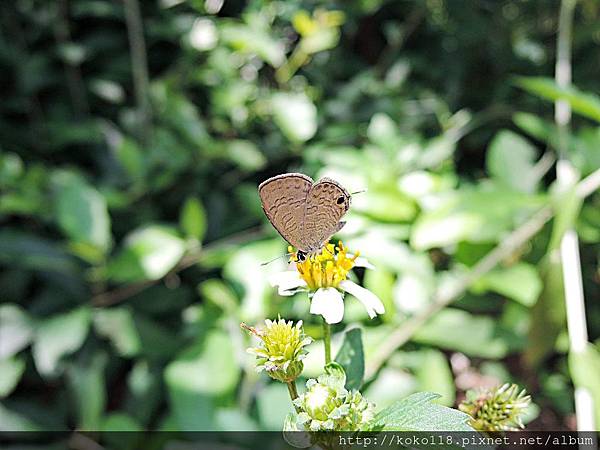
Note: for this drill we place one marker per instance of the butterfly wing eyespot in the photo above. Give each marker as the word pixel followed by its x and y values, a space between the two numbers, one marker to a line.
pixel 341 199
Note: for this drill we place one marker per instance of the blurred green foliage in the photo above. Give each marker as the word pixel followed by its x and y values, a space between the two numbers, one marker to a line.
pixel 132 238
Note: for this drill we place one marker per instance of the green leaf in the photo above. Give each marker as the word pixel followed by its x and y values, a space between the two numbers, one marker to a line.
pixel 89 392
pixel 192 218
pixel 27 251
pixel 389 386
pixel 417 412
pixel 382 130
pixel 246 155
pixel 122 431
pixel 234 419
pixel 220 294
pixel 148 254
pixel 254 39
pixel 480 214
pixel 119 421
pixel 535 126
pixel 244 267
pixel 58 336
pixel 458 330
pixel 295 115
pixel 434 374
pixel 117 325
pixel 585 367
pixel 548 315
pixel 13 421
pixel 511 161
pixel 131 157
pixel 584 103
pixel 520 282
pixel 16 330
pixel 201 373
pixel 81 211
pixel 352 359
pixel 11 370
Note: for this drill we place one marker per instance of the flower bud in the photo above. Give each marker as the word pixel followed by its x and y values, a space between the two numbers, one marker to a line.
pixel 498 409
pixel 328 406
pixel 281 349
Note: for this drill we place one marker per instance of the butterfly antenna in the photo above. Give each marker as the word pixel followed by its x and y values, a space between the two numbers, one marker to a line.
pixel 358 192
pixel 275 259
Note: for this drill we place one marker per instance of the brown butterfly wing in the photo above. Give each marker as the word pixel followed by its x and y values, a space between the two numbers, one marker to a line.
pixel 283 199
pixel 326 204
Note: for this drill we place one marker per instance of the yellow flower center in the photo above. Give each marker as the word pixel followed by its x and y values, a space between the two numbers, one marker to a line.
pixel 326 269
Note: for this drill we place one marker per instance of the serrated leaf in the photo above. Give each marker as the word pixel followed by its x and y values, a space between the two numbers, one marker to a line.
pixel 417 412
pixel 351 357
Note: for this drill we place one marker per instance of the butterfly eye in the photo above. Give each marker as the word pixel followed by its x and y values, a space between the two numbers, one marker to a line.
pixel 340 200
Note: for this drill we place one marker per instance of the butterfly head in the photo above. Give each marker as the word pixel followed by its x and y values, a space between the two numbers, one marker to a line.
pixel 300 256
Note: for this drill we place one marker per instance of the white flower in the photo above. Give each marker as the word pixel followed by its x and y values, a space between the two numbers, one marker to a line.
pixel 327 289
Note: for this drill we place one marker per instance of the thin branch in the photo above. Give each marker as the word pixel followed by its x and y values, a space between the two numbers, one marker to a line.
pixel 443 298
pixel 193 256
pixel 139 65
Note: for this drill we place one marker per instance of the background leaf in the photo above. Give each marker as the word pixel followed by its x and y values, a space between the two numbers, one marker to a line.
pixel 417 412
pixel 57 336
pixel 81 211
pixel 148 254
pixel 350 356
pixel 511 161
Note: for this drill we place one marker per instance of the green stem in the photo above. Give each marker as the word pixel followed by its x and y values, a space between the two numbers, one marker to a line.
pixel 327 341
pixel 291 385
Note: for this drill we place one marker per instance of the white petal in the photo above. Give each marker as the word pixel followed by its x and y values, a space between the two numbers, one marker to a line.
pixel 363 262
pixel 329 303
pixel 286 282
pixel 369 300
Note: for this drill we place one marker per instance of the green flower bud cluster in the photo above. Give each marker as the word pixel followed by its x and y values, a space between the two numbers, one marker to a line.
pixel 328 406
pixel 498 409
pixel 281 349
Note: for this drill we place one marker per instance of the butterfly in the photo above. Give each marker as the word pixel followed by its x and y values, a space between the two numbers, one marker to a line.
pixel 306 214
